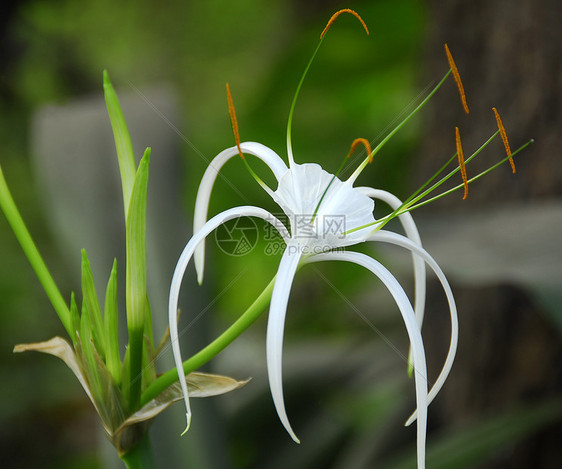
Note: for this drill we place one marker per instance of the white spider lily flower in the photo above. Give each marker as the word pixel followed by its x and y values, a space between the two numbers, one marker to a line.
pixel 307 191
pixel 326 215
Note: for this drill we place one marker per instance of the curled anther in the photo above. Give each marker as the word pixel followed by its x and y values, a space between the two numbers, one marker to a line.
pixel 457 78
pixel 501 128
pixel 462 166
pixel 233 120
pixel 338 13
pixel 365 143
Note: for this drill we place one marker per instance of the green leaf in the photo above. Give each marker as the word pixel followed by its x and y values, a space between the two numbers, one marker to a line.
pixel 92 306
pixel 123 144
pixel 148 332
pixel 8 206
pixel 111 323
pixel 86 346
pixel 148 363
pixel 148 356
pixel 136 276
pixel 125 373
pixel 112 406
pixel 74 318
pixel 136 248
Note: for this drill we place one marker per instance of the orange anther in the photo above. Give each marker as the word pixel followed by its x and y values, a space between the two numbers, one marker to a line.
pixel 365 143
pixel 457 78
pixel 461 162
pixel 338 13
pixel 504 139
pixel 233 120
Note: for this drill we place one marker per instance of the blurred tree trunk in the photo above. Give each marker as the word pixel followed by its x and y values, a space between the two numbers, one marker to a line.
pixel 508 54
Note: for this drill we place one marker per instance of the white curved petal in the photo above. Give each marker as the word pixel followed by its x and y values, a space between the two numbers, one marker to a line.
pixel 394 238
pixel 276 326
pixel 412 233
pixel 411 230
pixel 187 253
pixel 399 295
pixel 268 156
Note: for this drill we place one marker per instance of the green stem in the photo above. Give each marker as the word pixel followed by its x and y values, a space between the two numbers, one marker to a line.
pixel 136 344
pixel 141 456
pixel 15 220
pixel 214 348
pixel 294 103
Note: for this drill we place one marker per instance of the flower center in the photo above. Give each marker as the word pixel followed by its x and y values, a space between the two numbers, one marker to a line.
pixel 322 226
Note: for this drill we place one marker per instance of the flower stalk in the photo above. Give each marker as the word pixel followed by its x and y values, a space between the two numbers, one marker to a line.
pixel 202 357
pixel 141 456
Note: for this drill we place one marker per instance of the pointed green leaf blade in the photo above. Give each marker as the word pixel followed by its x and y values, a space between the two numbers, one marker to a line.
pixel 123 143
pixel 8 206
pixel 148 356
pixel 136 276
pixel 88 359
pixel 136 247
pixel 74 318
pixel 111 323
pixel 92 310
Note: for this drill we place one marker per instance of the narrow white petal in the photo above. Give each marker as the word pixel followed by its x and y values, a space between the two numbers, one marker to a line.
pixel 412 233
pixel 399 295
pixel 199 237
pixel 411 230
pixel 268 156
pixel 275 327
pixel 394 238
